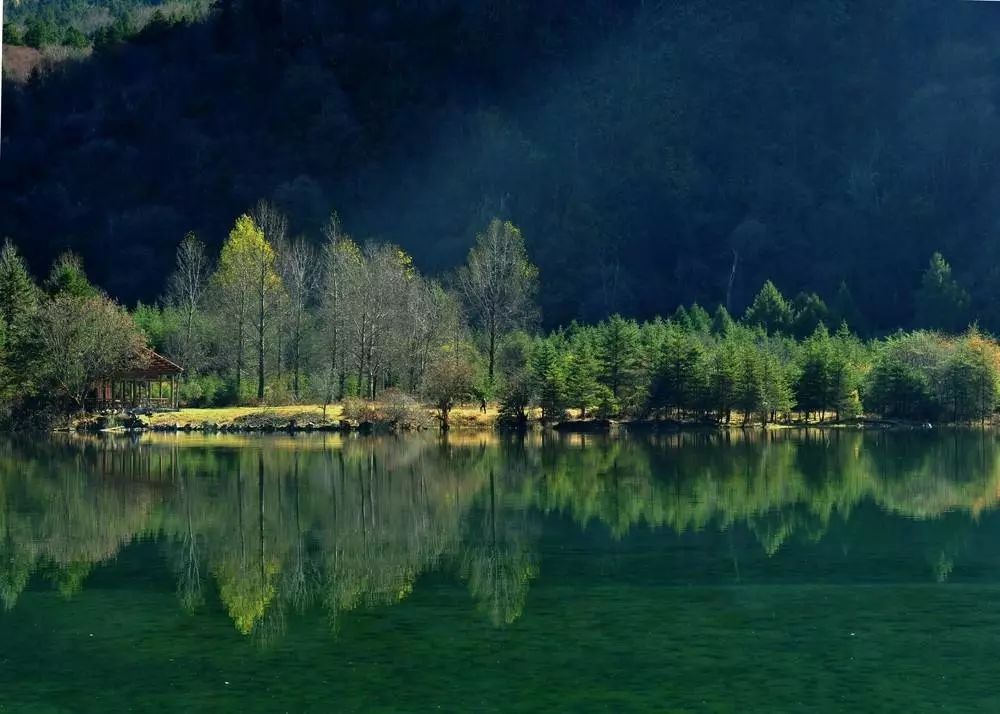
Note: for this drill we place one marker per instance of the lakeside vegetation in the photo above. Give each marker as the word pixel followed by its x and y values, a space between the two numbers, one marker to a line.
pixel 276 321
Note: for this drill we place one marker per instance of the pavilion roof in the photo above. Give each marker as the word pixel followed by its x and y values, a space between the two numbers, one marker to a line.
pixel 151 366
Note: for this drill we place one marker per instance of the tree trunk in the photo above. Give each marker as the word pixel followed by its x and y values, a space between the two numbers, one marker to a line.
pixel 493 351
pixel 260 352
pixel 239 362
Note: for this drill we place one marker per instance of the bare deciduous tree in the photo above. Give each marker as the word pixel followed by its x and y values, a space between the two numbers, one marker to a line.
pixel 186 293
pixel 499 285
pixel 297 266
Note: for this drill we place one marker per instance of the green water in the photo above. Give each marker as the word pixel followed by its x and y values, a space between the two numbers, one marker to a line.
pixel 834 571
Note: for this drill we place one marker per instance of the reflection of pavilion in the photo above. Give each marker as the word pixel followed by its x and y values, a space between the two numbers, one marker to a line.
pixel 152 384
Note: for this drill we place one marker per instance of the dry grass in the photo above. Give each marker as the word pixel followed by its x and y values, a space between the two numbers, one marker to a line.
pixel 228 415
pixel 466 416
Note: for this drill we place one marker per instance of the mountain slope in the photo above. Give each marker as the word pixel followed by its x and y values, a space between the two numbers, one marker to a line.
pixel 640 147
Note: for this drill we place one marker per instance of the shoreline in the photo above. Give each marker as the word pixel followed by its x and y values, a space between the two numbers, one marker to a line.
pixel 308 419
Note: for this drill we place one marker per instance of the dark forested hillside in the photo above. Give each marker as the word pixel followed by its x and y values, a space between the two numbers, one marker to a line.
pixel 654 153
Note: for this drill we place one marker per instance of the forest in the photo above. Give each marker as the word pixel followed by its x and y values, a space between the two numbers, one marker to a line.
pixel 274 320
pixel 85 24
pixel 654 154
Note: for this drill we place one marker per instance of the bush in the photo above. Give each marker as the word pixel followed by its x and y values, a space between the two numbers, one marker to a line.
pixel 205 390
pixel 401 409
pixel 356 409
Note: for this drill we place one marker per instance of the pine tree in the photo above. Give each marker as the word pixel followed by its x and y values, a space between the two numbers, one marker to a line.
pixel 679 376
pixel 18 296
pixel 844 309
pixel 67 277
pixel 722 322
pixel 549 379
pixel 620 357
pixel 941 303
pixel 808 312
pixel 749 395
pixel 723 378
pixel 813 386
pixel 583 390
pixel 699 319
pixel 769 310
pixel 845 375
pixel 778 396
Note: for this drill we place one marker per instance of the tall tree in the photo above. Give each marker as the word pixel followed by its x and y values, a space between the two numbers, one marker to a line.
pixel 297 266
pixel 582 372
pixel 68 277
pixel 186 293
pixel 499 285
pixel 679 377
pixel 941 303
pixel 247 285
pixel 340 254
pixel 18 296
pixel 770 310
pixel 620 356
pixel 549 378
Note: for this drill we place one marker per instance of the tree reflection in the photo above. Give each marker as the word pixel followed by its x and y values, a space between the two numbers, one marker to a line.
pixel 276 527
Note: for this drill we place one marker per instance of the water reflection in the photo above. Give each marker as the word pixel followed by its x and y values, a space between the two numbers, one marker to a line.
pixel 274 527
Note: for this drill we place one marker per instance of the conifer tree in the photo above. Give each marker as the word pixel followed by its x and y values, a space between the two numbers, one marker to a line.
pixel 679 377
pixel 723 379
pixel 814 383
pixel 620 356
pixel 583 390
pixel 549 379
pixel 941 303
pixel 699 319
pixel 18 296
pixel 769 310
pixel 722 321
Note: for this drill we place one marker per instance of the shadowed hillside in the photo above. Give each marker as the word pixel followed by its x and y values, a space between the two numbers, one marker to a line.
pixel 651 152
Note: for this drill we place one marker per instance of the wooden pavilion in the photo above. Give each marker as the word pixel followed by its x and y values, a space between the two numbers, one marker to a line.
pixel 152 384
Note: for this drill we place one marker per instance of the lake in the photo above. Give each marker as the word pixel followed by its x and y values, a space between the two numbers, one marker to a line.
pixel 698 572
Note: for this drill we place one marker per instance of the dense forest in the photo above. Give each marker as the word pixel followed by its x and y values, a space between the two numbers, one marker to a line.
pixel 275 320
pixel 81 24
pixel 654 154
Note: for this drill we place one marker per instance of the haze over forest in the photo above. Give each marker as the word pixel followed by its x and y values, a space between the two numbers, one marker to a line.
pixel 639 145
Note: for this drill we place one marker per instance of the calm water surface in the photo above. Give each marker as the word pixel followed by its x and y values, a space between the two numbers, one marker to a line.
pixel 808 572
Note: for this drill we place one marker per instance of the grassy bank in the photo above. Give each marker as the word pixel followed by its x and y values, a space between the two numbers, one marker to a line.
pixel 462 417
